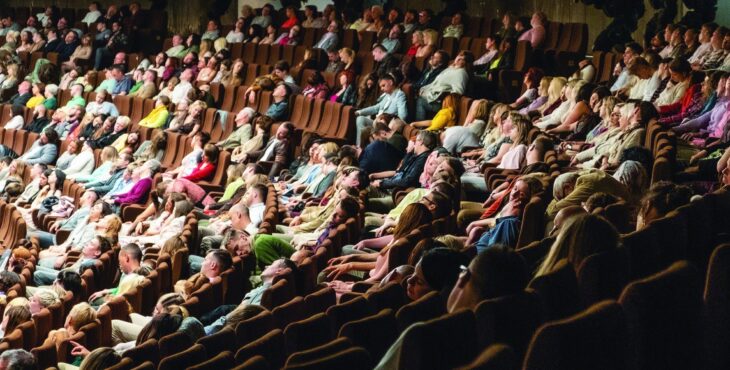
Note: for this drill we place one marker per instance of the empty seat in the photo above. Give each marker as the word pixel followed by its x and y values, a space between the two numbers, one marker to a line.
pixel 441 343
pixel 494 357
pixel 307 333
pixel 270 346
pixel 663 312
pixel 511 320
pixel 355 358
pixel 559 290
pixel 716 313
pixel 594 339
pixel 374 333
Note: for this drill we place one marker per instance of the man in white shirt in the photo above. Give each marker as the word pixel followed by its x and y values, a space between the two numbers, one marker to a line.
pixel 622 72
pixel 705 44
pixel 453 80
pixel 254 199
pixel 679 70
pixel 93 15
pixel 330 39
pixel 182 89
pixel 393 101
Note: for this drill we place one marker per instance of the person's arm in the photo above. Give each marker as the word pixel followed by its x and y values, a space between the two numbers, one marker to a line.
pixel 368 111
pixel 503 149
pixel 375 243
pixel 571 120
pixel 402 105
pixel 408 179
pixel 382 175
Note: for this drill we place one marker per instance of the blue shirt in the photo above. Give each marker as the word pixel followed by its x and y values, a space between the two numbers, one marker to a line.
pixel 123 85
pixel 278 111
pixel 505 232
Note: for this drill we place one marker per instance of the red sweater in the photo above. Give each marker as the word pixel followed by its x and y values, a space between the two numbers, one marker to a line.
pixel 680 105
pixel 204 171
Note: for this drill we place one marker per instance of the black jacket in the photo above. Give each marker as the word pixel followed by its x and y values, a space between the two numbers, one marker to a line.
pixel 408 173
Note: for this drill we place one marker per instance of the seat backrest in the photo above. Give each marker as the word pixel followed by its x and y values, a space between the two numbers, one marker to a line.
pixel 391 295
pixel 270 346
pixel 429 306
pixel 559 290
pixel 183 359
pixel 329 348
pixel 356 358
pixel 255 327
pixel 511 320
pixel 320 300
pixel 351 310
pixel 223 360
pixel 174 343
pixel 441 343
pixel 594 338
pixel 277 294
pixel 716 314
pixel 289 312
pixel 374 333
pixel 663 312
pixel 146 351
pixel 495 357
pixel 307 333
pixel 603 276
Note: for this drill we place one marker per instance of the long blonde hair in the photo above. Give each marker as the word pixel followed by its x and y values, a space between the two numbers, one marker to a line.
pixel 553 92
pixel 580 237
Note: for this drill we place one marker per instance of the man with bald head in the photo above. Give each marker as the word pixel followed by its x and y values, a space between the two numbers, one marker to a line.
pixel 212 236
pixel 562 217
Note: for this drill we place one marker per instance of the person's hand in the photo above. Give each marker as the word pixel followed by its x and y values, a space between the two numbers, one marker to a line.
pixel 376 183
pixel 379 232
pixel 295 221
pixel 339 260
pixel 54 227
pixel 359 246
pixel 470 227
pixel 139 228
pixel 78 350
pixel 98 295
pixel 696 158
pixel 333 272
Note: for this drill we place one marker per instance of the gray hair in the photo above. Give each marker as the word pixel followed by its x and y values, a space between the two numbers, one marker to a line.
pixel 18 359
pixel 249 111
pixel 561 181
pixel 153 164
pixel 633 175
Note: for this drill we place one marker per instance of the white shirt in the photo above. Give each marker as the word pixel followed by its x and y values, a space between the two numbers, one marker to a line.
pixel 15 123
pixel 270 150
pixel 190 161
pixel 180 92
pixel 234 37
pixel 91 17
pixel 82 164
pixel 701 51
pixel 256 213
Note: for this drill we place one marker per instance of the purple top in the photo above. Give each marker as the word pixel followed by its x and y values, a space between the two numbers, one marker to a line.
pixel 537 103
pixel 138 194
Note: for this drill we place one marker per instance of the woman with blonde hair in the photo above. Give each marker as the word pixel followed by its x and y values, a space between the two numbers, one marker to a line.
pixel 235 76
pixel 13 317
pixel 542 96
pixel 152 149
pixel 372 267
pixel 347 56
pixel 514 158
pixel 580 237
pixel 190 121
pixel 417 42
pixel 554 92
pixel 430 38
pixel 42 298
pixel 108 156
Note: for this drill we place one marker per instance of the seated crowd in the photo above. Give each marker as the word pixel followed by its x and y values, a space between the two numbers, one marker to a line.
pixel 431 194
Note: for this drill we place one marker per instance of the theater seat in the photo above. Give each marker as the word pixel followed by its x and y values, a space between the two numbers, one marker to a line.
pixel 596 338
